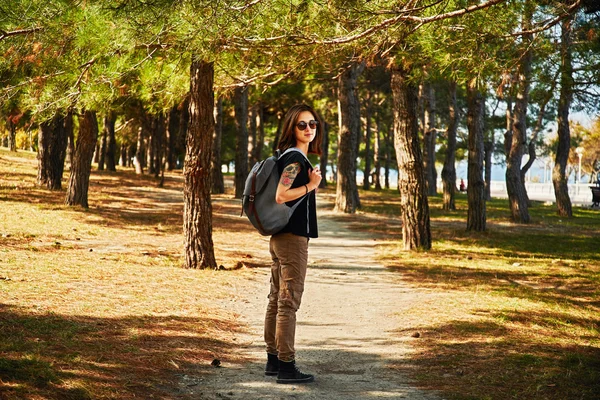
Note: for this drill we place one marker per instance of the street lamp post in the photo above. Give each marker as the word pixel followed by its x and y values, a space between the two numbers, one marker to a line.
pixel 579 152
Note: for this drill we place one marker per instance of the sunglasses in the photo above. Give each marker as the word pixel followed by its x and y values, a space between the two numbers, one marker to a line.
pixel 312 124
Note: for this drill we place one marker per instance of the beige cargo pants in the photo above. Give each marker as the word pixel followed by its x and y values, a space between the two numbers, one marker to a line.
pixel 288 271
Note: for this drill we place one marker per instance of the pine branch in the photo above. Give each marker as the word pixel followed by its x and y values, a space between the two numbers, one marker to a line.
pixel 5 34
pixel 549 23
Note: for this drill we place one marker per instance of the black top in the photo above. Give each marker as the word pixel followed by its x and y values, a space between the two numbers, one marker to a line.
pixel 304 219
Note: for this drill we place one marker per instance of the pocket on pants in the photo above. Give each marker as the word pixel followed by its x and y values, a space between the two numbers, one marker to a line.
pixel 291 295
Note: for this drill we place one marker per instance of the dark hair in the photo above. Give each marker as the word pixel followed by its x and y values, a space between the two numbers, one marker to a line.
pixel 288 135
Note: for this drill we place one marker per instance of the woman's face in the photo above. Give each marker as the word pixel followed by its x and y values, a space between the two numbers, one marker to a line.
pixel 306 119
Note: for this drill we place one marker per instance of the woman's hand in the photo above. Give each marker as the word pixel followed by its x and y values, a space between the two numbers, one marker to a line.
pixel 314 178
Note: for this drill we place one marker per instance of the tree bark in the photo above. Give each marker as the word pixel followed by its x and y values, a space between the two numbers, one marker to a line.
pixel 52 148
pixel 416 229
pixel 367 173
pixel 346 198
pixel 389 144
pixel 240 102
pixel 259 124
pixel 559 176
pixel 79 180
pixel 172 132
pixel 111 143
pixel 515 186
pixel 429 136
pixel 12 135
pixel 449 169
pixel 476 214
pixel 101 149
pixel 218 184
pixel 197 211
pixel 158 143
pixel 488 152
pixel 376 151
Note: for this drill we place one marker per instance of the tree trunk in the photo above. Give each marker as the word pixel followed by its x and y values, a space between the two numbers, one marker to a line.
pixel 278 131
pixel 12 135
pixel 260 132
pixel 253 137
pixel 102 147
pixel 240 103
pixel 559 176
pixel 488 152
pixel 138 159
pixel 376 151
pixel 172 132
pixel 79 180
pixel 476 214
pixel 449 169
pixel 158 142
pixel 346 199
pixel 218 185
pixel 111 142
pixel 429 135
pixel 416 229
pixel 367 174
pixel 52 148
pixel 70 139
pixel 43 155
pixel 515 186
pixel 197 211
pixel 389 143
pixel 324 154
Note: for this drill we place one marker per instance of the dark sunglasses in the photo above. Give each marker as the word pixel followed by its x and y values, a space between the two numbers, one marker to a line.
pixel 312 124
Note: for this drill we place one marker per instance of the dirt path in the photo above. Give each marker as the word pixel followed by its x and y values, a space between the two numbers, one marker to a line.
pixel 345 333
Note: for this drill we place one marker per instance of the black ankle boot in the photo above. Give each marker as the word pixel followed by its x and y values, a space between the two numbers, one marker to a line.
pixel 272 367
pixel 289 373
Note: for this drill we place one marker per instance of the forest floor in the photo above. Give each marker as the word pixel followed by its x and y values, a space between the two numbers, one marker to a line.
pixel 94 303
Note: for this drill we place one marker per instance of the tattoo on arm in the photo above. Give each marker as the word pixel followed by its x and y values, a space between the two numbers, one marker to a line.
pixel 289 174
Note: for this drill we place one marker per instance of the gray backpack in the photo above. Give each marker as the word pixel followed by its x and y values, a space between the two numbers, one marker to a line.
pixel 258 199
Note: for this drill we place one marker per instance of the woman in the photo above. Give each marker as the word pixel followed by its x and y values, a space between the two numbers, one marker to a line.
pixel 302 129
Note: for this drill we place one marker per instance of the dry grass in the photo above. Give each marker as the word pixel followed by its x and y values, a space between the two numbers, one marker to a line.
pixel 512 313
pixel 94 303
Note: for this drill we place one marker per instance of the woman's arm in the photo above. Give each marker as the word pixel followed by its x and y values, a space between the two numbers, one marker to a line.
pixel 284 191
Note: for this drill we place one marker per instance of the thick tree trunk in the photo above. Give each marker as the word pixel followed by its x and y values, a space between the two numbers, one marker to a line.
pixel 429 135
pixel 476 214
pixel 218 184
pixel 324 154
pixel 52 148
pixel 346 196
pixel 197 211
pixel 240 103
pixel 79 180
pixel 515 186
pixel 416 229
pixel 559 176
pixel 449 169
